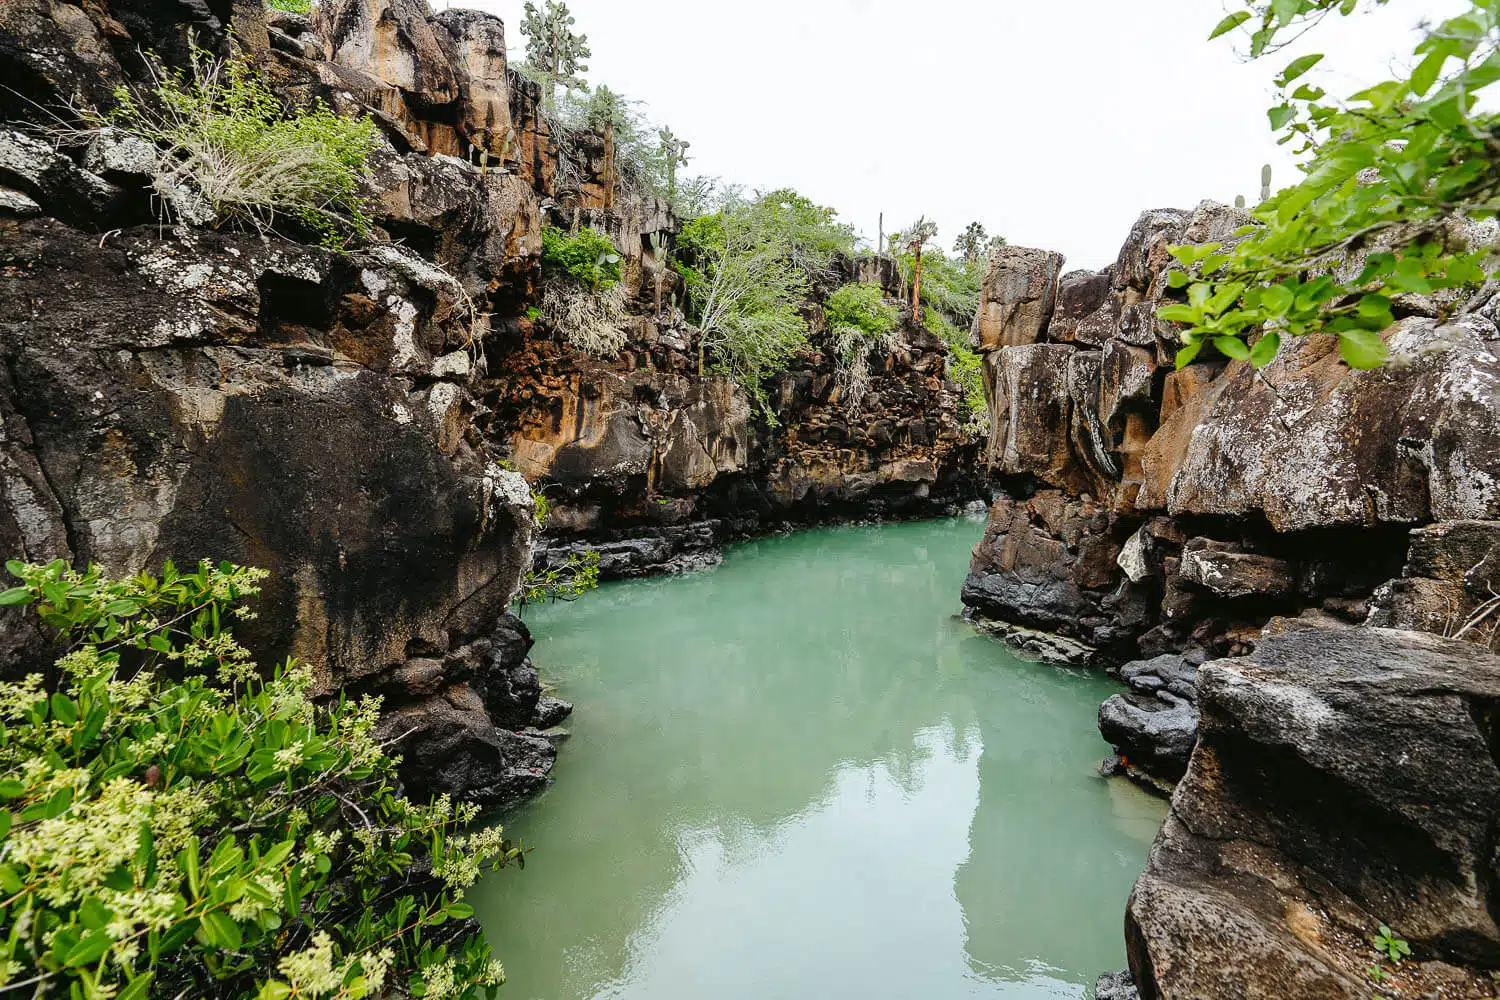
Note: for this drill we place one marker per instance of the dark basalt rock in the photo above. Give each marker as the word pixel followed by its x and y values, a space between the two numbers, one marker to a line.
pixel 449 745
pixel 1341 779
pixel 1154 725
pixel 550 712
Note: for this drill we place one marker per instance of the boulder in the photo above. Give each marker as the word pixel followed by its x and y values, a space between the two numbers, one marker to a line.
pixel 1153 727
pixel 1079 294
pixel 449 746
pixel 1449 585
pixel 1144 254
pixel 1341 779
pixel 1016 299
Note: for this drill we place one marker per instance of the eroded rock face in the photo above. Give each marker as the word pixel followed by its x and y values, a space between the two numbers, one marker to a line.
pixel 1017 298
pixel 275 407
pixel 1316 444
pixel 1238 495
pixel 1342 779
pixel 656 467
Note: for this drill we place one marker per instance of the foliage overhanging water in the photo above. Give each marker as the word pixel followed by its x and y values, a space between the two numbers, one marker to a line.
pixel 799 775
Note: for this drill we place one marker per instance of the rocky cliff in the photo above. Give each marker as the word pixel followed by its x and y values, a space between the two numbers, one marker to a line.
pixel 172 389
pixel 1150 512
pixel 1250 550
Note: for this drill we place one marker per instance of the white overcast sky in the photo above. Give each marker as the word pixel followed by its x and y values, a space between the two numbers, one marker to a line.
pixel 1054 122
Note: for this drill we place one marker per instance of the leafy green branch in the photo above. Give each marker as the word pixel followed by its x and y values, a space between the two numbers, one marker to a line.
pixel 1389 172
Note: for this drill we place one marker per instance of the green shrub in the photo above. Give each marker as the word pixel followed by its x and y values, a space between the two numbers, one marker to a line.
pixel 221 133
pixel 587 257
pixel 291 6
pixel 861 308
pixel 966 368
pixel 748 268
pixel 176 826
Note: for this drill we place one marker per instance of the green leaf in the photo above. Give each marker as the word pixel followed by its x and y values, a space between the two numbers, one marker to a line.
pixel 1229 23
pixel 217 930
pixel 1177 279
pixel 187 860
pixel 9 880
pixel 1362 348
pixel 5 821
pixel 89 950
pixel 1299 66
pixel 178 936
pixel 1285 10
pixel 1178 313
pixel 1427 71
pixel 1232 347
pixel 1276 299
pixel 137 988
pixel 1280 116
pixel 15 567
pixel 64 709
pixel 93 913
pixel 1187 354
pixel 12 788
pixel 13 596
pixel 1264 351
pixel 122 608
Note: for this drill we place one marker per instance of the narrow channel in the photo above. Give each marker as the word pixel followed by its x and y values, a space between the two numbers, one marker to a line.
pixel 798 774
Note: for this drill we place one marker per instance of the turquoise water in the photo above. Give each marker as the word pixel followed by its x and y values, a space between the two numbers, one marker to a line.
pixel 799 775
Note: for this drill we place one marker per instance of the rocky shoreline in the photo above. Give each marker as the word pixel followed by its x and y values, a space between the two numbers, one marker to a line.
pixel 1270 562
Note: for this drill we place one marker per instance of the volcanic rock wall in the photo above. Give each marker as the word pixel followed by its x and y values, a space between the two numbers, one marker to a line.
pixel 347 420
pixel 1150 510
pixel 1238 536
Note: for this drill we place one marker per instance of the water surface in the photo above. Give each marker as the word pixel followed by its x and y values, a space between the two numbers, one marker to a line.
pixel 799 775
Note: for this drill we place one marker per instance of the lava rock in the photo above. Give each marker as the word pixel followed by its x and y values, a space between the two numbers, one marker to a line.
pixel 1218 567
pixel 1115 986
pixel 1341 779
pixel 1016 299
pixel 550 711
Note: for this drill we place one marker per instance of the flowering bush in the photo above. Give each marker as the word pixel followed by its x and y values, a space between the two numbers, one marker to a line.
pixel 172 824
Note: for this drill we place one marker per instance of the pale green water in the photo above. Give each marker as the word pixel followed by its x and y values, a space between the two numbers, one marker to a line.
pixel 798 775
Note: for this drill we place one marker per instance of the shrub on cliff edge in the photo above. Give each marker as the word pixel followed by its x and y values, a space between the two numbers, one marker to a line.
pixel 227 149
pixel 859 320
pixel 172 824
pixel 587 257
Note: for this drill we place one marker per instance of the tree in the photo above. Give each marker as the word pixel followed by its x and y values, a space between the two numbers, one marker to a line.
pixel 1392 204
pixel 917 236
pixel 748 269
pixel 553 48
pixel 972 243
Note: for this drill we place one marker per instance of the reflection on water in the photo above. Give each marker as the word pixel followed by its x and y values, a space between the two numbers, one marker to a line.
pixel 798 775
